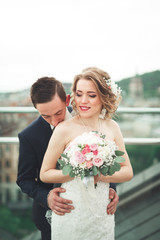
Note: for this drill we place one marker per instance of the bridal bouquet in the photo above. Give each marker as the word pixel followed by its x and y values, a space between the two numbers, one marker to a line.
pixel 90 154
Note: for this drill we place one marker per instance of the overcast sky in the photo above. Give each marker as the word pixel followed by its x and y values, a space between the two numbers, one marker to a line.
pixel 61 37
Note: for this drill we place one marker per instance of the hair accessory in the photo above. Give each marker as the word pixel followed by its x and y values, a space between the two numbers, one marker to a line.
pixel 113 86
pixel 103 113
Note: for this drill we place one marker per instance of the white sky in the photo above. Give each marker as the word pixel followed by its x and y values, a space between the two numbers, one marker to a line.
pixel 61 37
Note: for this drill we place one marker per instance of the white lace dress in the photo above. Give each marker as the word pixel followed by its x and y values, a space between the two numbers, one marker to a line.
pixel 89 220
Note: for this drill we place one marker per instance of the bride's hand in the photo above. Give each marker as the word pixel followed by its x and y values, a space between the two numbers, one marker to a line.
pixel 96 179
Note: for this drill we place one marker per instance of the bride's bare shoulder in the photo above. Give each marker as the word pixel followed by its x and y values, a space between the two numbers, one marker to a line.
pixel 65 126
pixel 65 131
pixel 112 124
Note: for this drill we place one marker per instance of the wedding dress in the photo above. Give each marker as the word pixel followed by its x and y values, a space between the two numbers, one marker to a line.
pixel 89 220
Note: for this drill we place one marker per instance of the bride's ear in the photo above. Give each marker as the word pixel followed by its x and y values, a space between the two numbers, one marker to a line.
pixel 67 100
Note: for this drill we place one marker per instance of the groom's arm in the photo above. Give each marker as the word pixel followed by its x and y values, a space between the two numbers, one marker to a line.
pixel 58 204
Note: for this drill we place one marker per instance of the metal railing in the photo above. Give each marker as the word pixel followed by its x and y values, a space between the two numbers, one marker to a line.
pixel 128 141
pixel 141 110
pixel 129 110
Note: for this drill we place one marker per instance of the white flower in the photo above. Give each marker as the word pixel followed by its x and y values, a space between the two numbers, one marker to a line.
pixel 73 161
pixel 114 87
pixel 89 156
pixel 82 165
pixel 106 150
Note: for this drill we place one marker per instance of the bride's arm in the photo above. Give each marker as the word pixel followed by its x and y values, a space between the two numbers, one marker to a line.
pixel 126 172
pixel 48 172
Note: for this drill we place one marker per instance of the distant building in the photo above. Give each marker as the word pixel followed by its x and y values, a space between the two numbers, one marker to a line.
pixel 10 194
pixel 136 88
pixel 8 170
pixel 10 125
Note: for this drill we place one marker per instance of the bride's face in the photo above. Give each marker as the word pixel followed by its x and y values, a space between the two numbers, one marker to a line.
pixel 87 99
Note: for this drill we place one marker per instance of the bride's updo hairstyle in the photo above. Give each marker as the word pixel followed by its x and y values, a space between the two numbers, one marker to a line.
pixel 108 91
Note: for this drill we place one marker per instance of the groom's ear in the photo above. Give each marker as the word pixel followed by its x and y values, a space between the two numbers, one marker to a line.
pixel 67 100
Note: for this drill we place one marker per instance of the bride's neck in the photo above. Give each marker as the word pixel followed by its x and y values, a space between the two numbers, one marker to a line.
pixel 90 123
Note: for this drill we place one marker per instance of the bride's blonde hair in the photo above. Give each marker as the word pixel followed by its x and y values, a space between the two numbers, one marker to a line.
pixel 110 100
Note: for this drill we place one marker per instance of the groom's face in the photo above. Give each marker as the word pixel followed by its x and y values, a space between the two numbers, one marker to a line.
pixel 54 111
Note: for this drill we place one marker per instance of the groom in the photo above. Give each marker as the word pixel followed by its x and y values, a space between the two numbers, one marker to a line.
pixel 49 98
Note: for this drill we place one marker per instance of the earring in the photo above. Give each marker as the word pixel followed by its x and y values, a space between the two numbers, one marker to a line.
pixel 103 113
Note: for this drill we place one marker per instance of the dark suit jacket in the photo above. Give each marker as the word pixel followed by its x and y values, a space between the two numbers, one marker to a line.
pixel 33 144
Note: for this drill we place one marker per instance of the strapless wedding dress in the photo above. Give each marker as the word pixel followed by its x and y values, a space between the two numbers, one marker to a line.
pixel 89 220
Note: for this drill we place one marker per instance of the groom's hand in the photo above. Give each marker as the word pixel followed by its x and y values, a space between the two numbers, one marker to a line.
pixel 112 206
pixel 58 204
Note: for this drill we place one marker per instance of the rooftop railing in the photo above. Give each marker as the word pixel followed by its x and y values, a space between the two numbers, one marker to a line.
pixel 129 110
pixel 119 110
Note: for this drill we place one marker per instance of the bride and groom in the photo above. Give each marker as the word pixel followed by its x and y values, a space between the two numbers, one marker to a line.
pixel 95 98
pixel 49 97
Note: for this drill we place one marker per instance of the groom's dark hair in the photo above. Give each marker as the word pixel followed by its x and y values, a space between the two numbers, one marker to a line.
pixel 45 88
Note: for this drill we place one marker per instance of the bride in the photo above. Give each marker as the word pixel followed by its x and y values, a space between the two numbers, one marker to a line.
pixel 95 99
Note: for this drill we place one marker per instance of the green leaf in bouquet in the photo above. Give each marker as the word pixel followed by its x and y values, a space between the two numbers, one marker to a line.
pixel 86 172
pixel 64 155
pixel 104 170
pixel 66 169
pixel 99 173
pixel 95 171
pixel 95 132
pixel 119 159
pixel 72 174
pixel 81 146
pixel 119 153
pixel 117 166
pixel 112 170
pixel 61 163
pixel 82 175
pixel 103 136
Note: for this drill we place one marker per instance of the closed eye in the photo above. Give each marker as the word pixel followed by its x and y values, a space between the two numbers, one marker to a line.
pixel 78 95
pixel 58 113
pixel 92 96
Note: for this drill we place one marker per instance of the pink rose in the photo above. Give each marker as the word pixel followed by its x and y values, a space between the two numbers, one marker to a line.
pixel 86 149
pixel 89 164
pixel 93 147
pixel 80 157
pixel 97 161
pixel 95 152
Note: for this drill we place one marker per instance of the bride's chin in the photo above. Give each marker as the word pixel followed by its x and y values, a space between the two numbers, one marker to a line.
pixel 85 115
